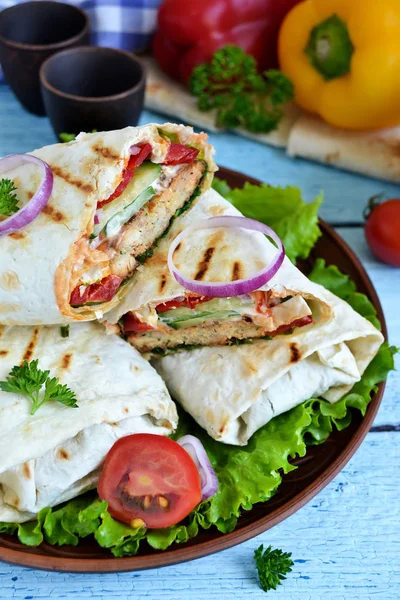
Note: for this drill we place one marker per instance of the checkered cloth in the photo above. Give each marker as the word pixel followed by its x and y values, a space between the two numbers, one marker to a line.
pixel 125 24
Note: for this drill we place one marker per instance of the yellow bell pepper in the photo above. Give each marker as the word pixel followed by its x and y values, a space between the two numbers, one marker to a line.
pixel 343 57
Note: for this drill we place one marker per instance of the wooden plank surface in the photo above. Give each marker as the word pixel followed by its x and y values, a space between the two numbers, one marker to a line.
pixel 346 542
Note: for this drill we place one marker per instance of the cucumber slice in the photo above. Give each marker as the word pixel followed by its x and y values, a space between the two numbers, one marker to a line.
pixel 221 315
pixel 219 308
pixel 145 176
pixel 114 225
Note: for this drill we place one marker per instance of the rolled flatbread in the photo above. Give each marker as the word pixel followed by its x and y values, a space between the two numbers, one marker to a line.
pixel 74 261
pixel 57 453
pixel 239 389
pixel 372 153
pixel 159 316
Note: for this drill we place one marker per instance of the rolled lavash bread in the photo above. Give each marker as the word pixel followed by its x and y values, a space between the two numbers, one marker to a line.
pixel 57 453
pixel 372 153
pixel 45 261
pixel 233 391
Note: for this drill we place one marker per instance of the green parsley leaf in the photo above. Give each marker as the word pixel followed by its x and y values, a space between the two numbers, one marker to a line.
pixel 67 137
pixel 64 331
pixel 272 566
pixel 28 380
pixel 70 137
pixel 8 199
pixel 241 96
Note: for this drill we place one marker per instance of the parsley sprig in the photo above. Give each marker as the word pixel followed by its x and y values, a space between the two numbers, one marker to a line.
pixel 8 199
pixel 29 380
pixel 272 566
pixel 242 96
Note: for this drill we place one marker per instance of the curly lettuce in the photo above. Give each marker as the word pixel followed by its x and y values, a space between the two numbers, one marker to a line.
pixel 282 208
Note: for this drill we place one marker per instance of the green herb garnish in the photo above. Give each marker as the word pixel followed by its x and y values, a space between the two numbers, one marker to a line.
pixel 28 380
pixel 145 255
pixel 67 137
pixel 70 137
pixel 64 330
pixel 8 199
pixel 272 566
pixel 166 351
pixel 242 97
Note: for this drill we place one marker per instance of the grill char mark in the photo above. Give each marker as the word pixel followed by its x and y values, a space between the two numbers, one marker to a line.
pixel 31 346
pixel 204 263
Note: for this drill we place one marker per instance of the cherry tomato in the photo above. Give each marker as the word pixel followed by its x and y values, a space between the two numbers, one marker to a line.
pixel 104 291
pixel 132 323
pixel 149 478
pixel 382 231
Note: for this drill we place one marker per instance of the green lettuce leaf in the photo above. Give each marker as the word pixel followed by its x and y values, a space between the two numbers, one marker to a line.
pixel 341 285
pixel 247 475
pixel 295 221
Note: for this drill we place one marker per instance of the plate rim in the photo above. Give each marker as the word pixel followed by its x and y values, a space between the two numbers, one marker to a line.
pixel 222 542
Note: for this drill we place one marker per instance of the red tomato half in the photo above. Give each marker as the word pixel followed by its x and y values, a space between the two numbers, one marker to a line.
pixel 179 154
pixel 149 477
pixel 104 291
pixel 382 231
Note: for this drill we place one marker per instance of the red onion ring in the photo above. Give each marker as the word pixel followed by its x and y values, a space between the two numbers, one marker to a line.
pixel 208 478
pixel 30 211
pixel 229 288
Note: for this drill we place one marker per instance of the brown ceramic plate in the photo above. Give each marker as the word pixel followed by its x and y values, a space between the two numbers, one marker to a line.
pixel 316 469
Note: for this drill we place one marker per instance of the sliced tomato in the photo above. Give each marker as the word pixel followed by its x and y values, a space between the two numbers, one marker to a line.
pixel 189 302
pixel 179 154
pixel 132 323
pixel 104 291
pixel 151 479
pixel 126 178
pixel 139 154
pixel 301 322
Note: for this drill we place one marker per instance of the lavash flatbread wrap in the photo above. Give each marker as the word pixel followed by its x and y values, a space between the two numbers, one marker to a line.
pixel 159 316
pixel 114 194
pixel 233 391
pixel 57 453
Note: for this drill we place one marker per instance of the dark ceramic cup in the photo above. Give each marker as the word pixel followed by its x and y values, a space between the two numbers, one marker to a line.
pixel 29 34
pixel 92 88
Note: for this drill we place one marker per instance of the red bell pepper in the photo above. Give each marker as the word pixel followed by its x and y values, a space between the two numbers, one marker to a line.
pixel 190 31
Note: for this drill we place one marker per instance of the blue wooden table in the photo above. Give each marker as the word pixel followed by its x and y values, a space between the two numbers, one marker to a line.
pixel 345 542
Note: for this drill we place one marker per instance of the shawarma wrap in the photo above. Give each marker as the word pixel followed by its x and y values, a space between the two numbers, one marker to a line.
pixel 57 453
pixel 158 316
pixel 114 194
pixel 233 391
